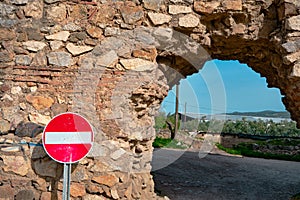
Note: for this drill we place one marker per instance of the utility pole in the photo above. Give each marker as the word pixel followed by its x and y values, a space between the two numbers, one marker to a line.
pixel 184 121
pixel 176 112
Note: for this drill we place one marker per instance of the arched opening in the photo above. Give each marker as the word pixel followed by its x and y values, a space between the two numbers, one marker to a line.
pixel 220 175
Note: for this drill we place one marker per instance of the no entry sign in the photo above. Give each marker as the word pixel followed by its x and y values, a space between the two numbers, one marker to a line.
pixel 68 137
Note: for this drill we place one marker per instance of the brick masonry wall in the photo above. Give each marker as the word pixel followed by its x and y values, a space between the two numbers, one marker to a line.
pixel 114 62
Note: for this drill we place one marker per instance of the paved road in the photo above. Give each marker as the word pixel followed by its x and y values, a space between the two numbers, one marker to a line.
pixel 217 177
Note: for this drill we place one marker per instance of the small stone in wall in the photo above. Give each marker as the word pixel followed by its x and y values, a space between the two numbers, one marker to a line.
pixel 137 64
pixel 34 9
pixel 71 27
pixel 189 21
pixel 39 119
pixel 108 180
pixel 16 164
pixel 233 5
pixel 153 4
pixel 16 90
pixel 54 45
pixel 175 9
pixel 62 59
pixel 40 102
pixel 39 59
pixel 19 2
pixel 77 190
pixel 293 23
pixel 132 15
pixel 206 7
pixel 111 31
pixel 45 167
pixel 95 32
pixel 52 1
pixel 296 70
pixel 109 59
pixel 77 50
pixel 159 18
pixel 57 13
pixel 23 60
pixel 4 126
pixel 25 194
pixel 62 36
pixel 6 34
pixel 238 29
pixel 34 45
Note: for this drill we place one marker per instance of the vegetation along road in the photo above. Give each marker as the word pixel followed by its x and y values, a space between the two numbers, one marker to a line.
pixel 218 177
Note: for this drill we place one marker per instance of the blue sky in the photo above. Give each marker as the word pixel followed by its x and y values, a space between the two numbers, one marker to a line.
pixel 224 86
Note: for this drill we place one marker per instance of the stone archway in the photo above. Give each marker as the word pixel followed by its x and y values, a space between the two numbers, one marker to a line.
pixel 113 62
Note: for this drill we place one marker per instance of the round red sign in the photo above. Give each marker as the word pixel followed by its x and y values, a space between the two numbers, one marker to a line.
pixel 68 137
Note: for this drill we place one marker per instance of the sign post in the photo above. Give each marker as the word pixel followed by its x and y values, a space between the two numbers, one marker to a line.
pixel 68 138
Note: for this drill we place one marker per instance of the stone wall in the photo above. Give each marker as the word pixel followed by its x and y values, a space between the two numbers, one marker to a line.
pixel 113 62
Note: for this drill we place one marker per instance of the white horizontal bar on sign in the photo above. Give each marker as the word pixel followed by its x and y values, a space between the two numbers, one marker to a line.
pixel 68 137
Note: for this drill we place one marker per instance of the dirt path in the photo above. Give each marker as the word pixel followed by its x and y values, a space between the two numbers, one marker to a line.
pixel 217 177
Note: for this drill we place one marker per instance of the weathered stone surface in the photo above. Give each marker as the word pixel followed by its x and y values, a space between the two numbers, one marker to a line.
pixel 93 197
pixel 25 194
pixel 95 32
pixel 117 154
pixel 28 129
pixel 232 4
pixel 291 58
pixel 293 23
pixel 132 14
pixel 77 50
pixel 6 192
pixel 59 58
pixel 77 190
pixel 57 13
pixel 148 54
pixel 137 64
pixel 16 90
pixel 45 196
pixel 189 21
pixel 108 180
pixel 296 70
pixel 23 59
pixel 16 164
pixel 153 4
pixel 114 194
pixel 109 59
pixel 55 45
pixel 62 36
pixel 39 59
pixel 4 126
pixel 19 2
pixel 6 34
pixel 159 18
pixel 206 7
pixel 39 119
pixel 110 31
pixel 238 29
pixel 175 9
pixel 34 45
pixel 71 27
pixel 34 34
pixel 40 102
pixel 52 1
pixel 34 9
pixel 45 167
pixel 6 56
pixel 292 46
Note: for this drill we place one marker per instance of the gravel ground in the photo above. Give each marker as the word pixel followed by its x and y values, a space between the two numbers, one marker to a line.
pixel 225 177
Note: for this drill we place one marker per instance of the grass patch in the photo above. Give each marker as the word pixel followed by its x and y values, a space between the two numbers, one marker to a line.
pixel 167 143
pixel 245 149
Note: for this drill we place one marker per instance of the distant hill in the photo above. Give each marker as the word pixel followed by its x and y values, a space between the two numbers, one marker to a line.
pixel 265 113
